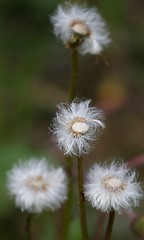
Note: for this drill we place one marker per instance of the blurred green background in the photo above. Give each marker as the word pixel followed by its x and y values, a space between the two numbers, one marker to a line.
pixel 34 78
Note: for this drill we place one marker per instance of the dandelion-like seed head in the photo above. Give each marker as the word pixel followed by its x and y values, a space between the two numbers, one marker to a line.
pixel 80 27
pixel 35 185
pixel 76 126
pixel 112 187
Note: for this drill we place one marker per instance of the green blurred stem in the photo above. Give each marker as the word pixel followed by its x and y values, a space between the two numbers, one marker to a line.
pixel 68 204
pixel 28 226
pixel 74 73
pixel 110 225
pixel 82 200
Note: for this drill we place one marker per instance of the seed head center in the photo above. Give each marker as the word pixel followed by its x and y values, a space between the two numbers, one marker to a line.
pixel 78 127
pixel 80 27
pixel 114 184
pixel 37 183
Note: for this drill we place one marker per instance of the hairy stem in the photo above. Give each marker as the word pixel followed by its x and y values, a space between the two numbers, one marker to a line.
pixel 74 73
pixel 28 226
pixel 82 200
pixel 110 225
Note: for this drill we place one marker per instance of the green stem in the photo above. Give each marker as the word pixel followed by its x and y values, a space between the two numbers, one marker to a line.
pixel 74 73
pixel 110 225
pixel 28 226
pixel 71 95
pixel 68 204
pixel 82 200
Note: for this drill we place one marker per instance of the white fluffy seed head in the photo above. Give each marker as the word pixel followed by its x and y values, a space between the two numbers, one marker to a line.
pixel 80 27
pixel 36 186
pixel 112 187
pixel 76 126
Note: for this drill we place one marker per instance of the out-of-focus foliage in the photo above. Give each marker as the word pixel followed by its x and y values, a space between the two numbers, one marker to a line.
pixel 139 227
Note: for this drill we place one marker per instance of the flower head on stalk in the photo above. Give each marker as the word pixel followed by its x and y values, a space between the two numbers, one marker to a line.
pixel 112 187
pixel 80 27
pixel 76 125
pixel 35 185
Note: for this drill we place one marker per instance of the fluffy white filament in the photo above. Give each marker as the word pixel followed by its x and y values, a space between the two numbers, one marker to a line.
pixel 76 125
pixel 35 185
pixel 112 187
pixel 86 22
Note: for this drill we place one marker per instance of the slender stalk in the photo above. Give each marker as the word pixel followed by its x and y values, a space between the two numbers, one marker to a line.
pixel 68 204
pixel 74 73
pixel 71 95
pixel 82 200
pixel 110 225
pixel 28 226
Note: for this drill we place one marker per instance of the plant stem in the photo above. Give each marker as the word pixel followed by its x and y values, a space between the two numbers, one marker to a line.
pixel 82 200
pixel 71 95
pixel 74 73
pixel 110 225
pixel 68 204
pixel 28 226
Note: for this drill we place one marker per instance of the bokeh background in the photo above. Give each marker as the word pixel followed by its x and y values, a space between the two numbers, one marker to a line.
pixel 34 78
